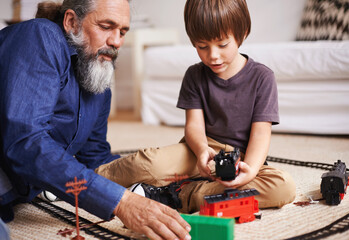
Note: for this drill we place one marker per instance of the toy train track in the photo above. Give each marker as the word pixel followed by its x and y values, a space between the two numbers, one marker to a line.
pixel 317 165
pixel 338 226
pixel 69 217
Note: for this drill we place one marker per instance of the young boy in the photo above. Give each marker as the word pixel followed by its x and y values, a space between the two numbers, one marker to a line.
pixel 230 101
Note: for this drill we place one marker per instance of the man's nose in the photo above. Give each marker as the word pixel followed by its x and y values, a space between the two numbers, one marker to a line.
pixel 115 39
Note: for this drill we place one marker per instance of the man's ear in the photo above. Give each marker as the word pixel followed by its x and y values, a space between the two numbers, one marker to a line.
pixel 70 21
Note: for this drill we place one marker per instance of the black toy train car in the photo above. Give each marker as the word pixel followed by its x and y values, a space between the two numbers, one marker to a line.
pixel 227 164
pixel 334 183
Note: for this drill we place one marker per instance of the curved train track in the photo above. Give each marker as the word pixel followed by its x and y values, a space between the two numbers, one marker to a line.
pixel 338 226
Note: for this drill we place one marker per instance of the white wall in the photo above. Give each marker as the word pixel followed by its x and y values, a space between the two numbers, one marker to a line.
pixel 28 10
pixel 5 10
pixel 272 20
pixel 162 13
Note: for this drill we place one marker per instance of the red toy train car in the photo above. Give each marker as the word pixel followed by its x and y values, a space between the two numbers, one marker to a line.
pixel 233 203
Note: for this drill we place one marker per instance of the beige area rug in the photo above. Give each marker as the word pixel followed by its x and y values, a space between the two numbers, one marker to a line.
pixel 289 221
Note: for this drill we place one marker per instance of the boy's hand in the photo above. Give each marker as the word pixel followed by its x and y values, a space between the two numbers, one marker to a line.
pixel 204 158
pixel 245 176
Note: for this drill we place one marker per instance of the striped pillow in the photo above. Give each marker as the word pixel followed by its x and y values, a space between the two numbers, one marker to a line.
pixel 325 20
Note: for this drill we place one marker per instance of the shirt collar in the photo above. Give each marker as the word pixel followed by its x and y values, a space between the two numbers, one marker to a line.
pixel 72 49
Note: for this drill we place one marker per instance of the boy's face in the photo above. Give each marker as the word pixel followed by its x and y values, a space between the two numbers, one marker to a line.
pixel 220 55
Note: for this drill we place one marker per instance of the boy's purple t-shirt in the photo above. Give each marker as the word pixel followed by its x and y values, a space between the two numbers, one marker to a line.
pixel 231 106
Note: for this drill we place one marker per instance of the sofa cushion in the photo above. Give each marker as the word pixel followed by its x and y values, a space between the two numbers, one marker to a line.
pixel 325 20
pixel 169 61
pixel 304 60
pixel 321 60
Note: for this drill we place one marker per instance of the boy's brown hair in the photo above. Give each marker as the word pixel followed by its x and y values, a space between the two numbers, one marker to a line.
pixel 215 19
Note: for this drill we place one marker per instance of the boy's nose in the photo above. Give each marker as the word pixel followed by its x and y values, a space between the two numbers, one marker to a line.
pixel 214 54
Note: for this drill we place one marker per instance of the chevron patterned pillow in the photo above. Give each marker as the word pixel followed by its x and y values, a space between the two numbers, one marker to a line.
pixel 325 20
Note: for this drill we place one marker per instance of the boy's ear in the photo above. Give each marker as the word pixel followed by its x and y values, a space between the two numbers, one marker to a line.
pixel 70 21
pixel 245 36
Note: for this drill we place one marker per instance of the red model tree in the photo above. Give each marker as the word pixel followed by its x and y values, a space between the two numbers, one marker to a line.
pixel 76 188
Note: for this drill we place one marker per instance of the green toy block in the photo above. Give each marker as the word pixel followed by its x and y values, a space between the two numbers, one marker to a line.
pixel 208 228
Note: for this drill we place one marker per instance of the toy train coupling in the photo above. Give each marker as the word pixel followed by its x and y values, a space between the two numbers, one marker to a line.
pixel 227 164
pixel 334 183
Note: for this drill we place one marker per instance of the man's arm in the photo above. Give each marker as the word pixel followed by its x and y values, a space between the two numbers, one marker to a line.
pixel 33 72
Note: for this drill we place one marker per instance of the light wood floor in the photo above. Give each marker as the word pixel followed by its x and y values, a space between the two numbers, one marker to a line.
pixel 123 115
pixel 125 133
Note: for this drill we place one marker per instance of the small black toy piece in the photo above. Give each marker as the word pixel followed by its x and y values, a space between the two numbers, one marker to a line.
pixel 227 164
pixel 334 183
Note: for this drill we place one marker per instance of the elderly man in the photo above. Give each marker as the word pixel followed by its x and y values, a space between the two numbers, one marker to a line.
pixel 54 104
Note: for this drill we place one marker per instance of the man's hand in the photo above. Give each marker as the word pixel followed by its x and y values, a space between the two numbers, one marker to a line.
pixel 151 218
pixel 245 176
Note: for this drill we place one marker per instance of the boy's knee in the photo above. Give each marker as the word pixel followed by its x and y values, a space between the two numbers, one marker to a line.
pixel 287 190
pixel 283 192
pixel 192 194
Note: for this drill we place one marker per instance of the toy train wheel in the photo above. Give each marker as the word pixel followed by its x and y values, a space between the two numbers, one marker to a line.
pixel 341 195
pixel 246 218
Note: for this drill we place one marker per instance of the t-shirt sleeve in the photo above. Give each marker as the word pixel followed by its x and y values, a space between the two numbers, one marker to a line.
pixel 266 107
pixel 189 95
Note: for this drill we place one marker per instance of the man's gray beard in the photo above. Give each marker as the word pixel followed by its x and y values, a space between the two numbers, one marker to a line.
pixel 93 75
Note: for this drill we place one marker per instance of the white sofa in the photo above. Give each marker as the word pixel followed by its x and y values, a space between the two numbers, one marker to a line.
pixel 312 76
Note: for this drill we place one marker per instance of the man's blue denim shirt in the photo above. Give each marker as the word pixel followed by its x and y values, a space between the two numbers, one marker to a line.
pixel 51 130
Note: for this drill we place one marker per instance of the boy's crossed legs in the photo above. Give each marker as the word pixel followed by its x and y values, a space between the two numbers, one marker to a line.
pixel 153 165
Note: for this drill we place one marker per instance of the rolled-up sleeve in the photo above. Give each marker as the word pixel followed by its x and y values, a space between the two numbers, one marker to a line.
pixel 35 66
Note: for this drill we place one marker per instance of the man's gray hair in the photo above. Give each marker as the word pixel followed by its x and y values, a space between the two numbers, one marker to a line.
pixel 55 11
pixel 80 7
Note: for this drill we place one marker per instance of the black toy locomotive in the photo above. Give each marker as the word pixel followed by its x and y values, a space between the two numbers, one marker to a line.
pixel 334 183
pixel 227 164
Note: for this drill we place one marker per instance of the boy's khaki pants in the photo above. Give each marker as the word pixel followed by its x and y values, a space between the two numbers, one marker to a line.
pixel 153 165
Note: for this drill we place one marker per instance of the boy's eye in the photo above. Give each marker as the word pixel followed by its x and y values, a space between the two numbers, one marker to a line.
pixel 202 47
pixel 223 45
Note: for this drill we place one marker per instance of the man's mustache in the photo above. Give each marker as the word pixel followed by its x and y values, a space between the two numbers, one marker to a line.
pixel 111 52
